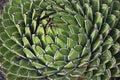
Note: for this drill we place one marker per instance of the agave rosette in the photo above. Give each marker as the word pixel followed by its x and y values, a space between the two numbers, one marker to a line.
pixel 60 39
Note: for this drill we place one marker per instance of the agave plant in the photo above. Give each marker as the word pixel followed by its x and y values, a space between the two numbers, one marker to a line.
pixel 60 39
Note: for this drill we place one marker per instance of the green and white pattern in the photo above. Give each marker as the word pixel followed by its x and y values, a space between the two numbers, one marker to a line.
pixel 60 39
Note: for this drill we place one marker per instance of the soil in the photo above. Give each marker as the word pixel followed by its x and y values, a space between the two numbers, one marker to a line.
pixel 2 75
pixel 2 2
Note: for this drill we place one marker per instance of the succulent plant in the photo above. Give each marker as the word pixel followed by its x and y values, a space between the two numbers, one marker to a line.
pixel 60 39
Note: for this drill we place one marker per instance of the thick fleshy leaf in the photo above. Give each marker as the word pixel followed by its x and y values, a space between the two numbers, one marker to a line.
pixel 94 33
pixel 73 55
pixel 60 39
pixel 95 5
pixel 98 19
pixel 80 20
pixel 36 40
pixel 98 42
pixel 82 38
pixel 28 53
pixel 39 50
pixel 37 65
pixel 89 12
pixel 112 21
pixel 104 11
pixel 88 26
pixel 26 42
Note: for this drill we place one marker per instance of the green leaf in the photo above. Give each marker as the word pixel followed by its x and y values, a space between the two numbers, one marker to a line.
pixel 115 71
pixel 107 43
pixel 33 14
pixel 49 58
pixel 34 23
pixel 88 12
pixel 38 65
pixel 47 40
pixel 107 74
pixel 105 29
pixel 78 48
pixel 68 19
pixel 93 65
pixel 89 74
pixel 95 5
pixel 80 20
pixel 116 13
pixel 36 40
pixel 40 50
pixel 111 63
pixel 116 5
pixel 100 70
pixel 106 56
pixel 63 27
pixel 17 16
pixel 42 59
pixel 28 53
pixel 115 33
pixel 71 43
pixel 7 22
pixel 59 56
pixel 82 38
pixel 79 9
pixel 10 30
pixel 86 49
pixel 64 51
pixel 96 78
pixel 27 32
pixel 8 43
pixel 98 19
pixel 59 63
pixel 96 55
pixel 3 36
pixel 14 9
pixel 34 49
pixel 51 49
pixel 104 11
pixel 97 43
pixel 107 2
pixel 94 33
pixel 69 65
pixel 25 18
pixel 5 15
pixel 112 21
pixel 40 31
pixel 74 29
pixel 115 48
pixel 61 40
pixel 73 55
pixel 88 26
pixel 74 37
pixel 20 29
pixel 26 42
